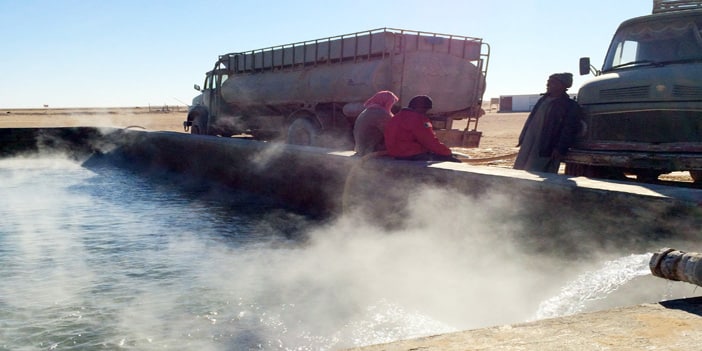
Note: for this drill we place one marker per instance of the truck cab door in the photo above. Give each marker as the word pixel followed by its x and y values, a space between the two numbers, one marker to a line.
pixel 213 99
pixel 202 119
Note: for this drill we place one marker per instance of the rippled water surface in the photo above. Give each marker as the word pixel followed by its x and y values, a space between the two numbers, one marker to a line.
pixel 103 258
pixel 98 258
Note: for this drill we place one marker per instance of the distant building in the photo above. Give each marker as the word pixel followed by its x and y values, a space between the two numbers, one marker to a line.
pixel 519 103
pixel 494 104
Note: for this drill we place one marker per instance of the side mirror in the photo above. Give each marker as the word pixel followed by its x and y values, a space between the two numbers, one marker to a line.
pixel 197 87
pixel 584 66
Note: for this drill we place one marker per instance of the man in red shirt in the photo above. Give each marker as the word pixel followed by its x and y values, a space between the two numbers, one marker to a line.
pixel 410 136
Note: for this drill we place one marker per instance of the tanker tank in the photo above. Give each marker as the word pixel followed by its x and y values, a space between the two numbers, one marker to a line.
pixel 349 70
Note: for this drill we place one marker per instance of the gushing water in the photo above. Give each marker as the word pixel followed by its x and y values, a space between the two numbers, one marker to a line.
pixel 594 285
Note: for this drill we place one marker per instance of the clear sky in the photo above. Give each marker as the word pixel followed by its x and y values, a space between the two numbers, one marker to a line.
pixel 77 53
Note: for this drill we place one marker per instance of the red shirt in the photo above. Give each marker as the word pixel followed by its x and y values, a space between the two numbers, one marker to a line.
pixel 410 133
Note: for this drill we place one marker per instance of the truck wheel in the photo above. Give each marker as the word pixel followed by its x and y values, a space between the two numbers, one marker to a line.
pixel 696 176
pixel 574 169
pixel 198 116
pixel 648 176
pixel 581 170
pixel 303 132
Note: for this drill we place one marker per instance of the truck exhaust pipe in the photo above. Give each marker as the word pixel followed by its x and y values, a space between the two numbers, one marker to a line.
pixel 677 265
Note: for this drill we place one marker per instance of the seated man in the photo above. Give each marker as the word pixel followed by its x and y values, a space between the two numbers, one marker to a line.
pixel 410 136
pixel 370 124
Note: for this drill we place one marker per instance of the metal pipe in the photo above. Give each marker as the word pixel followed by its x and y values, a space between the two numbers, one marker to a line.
pixel 677 265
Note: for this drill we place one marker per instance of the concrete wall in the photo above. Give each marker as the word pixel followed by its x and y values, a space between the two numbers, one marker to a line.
pixel 555 212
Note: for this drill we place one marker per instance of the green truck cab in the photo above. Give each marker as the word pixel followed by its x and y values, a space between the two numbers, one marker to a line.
pixel 643 110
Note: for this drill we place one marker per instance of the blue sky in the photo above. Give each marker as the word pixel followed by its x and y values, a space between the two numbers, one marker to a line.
pixel 67 53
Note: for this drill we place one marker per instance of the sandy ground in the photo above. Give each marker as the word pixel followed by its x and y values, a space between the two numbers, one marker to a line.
pixel 170 118
pixel 500 130
pixel 499 139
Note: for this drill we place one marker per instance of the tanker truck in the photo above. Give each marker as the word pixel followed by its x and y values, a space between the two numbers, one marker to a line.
pixel 310 93
pixel 643 110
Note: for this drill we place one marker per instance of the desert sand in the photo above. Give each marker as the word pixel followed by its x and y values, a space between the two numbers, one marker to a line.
pixel 151 118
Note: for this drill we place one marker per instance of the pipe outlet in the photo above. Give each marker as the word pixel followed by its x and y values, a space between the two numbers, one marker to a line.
pixel 677 265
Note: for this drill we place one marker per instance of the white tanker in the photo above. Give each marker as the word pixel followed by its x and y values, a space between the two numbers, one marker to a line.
pixel 311 92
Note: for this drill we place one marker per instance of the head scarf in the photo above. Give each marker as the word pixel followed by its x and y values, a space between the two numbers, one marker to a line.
pixel 565 78
pixel 383 99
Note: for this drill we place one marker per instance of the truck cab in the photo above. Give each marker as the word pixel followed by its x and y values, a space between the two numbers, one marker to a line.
pixel 210 99
pixel 643 109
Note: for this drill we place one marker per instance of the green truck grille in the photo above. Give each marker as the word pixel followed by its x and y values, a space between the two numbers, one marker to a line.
pixel 647 127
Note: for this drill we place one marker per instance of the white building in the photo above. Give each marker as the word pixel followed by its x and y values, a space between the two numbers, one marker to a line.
pixel 519 103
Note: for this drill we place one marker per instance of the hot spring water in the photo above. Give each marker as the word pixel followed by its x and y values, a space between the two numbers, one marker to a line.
pixel 100 258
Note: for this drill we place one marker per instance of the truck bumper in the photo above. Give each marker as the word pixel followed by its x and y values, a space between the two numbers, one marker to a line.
pixel 668 162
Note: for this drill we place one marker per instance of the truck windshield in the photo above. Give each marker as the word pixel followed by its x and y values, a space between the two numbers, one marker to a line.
pixel 655 43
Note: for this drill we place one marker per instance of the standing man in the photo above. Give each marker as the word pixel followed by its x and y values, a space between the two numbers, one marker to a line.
pixel 410 136
pixel 550 128
pixel 369 126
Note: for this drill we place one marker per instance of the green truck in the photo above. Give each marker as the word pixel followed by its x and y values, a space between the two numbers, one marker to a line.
pixel 643 109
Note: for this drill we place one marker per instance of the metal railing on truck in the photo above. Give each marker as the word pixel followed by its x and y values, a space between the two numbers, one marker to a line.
pixel 354 47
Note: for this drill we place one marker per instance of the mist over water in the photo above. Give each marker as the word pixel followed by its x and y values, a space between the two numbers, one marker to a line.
pixel 101 258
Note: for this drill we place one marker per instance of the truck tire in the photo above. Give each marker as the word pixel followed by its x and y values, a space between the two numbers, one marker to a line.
pixel 574 169
pixel 302 131
pixel 198 116
pixel 648 175
pixel 696 176
pixel 602 172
